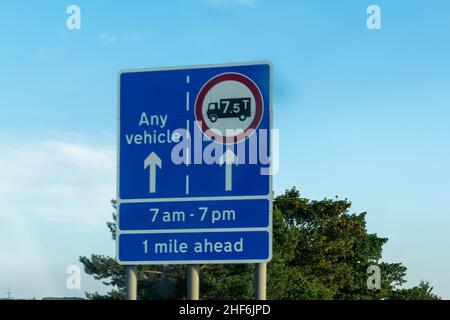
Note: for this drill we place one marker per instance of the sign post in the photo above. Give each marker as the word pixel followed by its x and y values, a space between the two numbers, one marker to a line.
pixel 194 162
pixel 131 275
pixel 260 281
pixel 193 282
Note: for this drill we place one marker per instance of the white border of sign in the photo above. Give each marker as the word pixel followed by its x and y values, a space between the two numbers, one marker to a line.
pixel 269 196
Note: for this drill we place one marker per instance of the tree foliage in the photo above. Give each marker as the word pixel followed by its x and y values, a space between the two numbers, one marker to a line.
pixel 320 251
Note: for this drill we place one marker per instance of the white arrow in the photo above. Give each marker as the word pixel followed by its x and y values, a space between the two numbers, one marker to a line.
pixel 229 158
pixel 152 161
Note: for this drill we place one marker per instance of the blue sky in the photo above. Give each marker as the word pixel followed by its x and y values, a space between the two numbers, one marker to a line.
pixel 362 114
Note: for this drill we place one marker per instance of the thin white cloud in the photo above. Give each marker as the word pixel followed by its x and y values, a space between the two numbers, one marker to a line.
pixel 54 203
pixel 56 181
pixel 56 50
pixel 106 38
pixel 129 38
pixel 230 4
pixel 110 39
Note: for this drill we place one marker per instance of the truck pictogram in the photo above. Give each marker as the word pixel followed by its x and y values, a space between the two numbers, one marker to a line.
pixel 229 108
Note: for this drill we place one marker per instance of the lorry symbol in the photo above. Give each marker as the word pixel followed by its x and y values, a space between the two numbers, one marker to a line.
pixel 229 108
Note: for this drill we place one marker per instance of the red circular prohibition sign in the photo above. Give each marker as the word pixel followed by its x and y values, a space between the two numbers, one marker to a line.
pixel 258 107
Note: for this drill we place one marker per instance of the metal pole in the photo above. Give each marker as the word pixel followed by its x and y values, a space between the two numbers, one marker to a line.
pixel 131 274
pixel 260 281
pixel 193 281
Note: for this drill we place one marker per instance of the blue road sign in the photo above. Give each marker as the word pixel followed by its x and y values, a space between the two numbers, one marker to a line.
pixel 194 160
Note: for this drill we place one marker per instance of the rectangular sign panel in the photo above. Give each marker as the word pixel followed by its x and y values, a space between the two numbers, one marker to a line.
pixel 252 213
pixel 194 163
pixel 219 247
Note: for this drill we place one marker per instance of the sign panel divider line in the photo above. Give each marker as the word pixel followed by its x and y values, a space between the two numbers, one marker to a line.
pixel 267 197
pixel 187 184
pixel 187 101
pixel 206 230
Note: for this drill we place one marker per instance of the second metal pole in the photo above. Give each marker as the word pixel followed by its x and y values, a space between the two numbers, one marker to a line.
pixel 131 275
pixel 193 282
pixel 260 281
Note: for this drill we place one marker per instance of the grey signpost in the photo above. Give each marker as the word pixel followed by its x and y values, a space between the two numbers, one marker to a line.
pixel 260 281
pixel 193 282
pixel 131 280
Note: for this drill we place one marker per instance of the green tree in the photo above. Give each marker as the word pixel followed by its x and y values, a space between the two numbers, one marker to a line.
pixel 320 251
